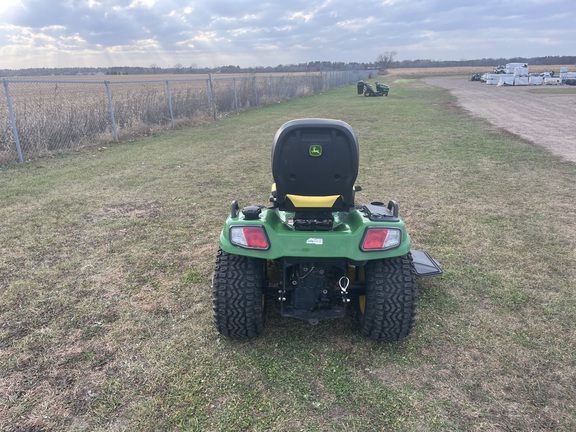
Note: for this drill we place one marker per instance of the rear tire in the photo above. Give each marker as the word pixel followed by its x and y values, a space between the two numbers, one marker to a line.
pixel 237 295
pixel 388 310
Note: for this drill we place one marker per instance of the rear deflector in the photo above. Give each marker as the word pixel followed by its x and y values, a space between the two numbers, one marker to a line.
pixel 424 264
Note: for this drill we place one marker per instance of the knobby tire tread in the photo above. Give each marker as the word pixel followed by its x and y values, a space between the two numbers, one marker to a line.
pixel 237 296
pixel 391 297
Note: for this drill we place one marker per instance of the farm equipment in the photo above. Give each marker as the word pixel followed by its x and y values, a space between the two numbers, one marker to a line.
pixel 368 90
pixel 500 69
pixel 314 249
pixel 476 76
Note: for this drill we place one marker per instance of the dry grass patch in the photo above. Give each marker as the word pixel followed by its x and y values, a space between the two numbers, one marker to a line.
pixel 106 259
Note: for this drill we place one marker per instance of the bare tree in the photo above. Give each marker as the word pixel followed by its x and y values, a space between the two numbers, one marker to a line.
pixel 385 60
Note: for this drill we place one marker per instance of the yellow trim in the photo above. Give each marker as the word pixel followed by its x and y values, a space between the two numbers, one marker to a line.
pixel 273 187
pixel 313 201
pixel 362 304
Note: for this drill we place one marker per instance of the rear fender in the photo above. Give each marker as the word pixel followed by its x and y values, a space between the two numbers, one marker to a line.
pixel 341 242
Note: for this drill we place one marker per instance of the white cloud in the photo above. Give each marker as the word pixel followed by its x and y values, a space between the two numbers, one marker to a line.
pixel 356 24
pixel 244 32
pixel 139 3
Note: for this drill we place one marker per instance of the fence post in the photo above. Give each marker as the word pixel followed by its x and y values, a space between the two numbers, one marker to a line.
pixel 170 103
pixel 13 121
pixel 107 84
pixel 271 89
pixel 256 91
pixel 213 96
pixel 235 96
pixel 208 96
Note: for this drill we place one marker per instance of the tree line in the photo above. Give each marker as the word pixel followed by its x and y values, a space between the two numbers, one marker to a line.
pixel 425 63
pixel 384 61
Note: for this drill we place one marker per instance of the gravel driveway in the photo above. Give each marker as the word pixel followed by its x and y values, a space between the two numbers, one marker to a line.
pixel 546 119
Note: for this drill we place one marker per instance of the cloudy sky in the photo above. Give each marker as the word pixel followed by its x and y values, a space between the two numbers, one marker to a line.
pixel 207 33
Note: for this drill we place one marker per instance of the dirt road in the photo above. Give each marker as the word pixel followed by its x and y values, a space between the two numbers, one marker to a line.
pixel 544 118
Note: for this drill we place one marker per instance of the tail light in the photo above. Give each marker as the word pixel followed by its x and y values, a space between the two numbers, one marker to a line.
pixel 251 237
pixel 377 239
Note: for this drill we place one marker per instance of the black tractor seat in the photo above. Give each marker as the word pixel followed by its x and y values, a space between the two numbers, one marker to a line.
pixel 314 165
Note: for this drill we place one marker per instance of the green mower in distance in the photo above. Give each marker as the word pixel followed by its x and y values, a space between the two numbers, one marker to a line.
pixel 366 89
pixel 314 250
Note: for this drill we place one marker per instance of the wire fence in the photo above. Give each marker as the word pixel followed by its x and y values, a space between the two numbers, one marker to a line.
pixel 42 117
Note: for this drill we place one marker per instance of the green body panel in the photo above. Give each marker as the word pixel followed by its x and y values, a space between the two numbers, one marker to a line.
pixel 342 242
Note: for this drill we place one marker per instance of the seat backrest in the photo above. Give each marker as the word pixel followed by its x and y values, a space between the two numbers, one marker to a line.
pixel 315 164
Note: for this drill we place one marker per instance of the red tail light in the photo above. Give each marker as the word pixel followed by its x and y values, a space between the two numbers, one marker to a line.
pixel 251 237
pixel 381 239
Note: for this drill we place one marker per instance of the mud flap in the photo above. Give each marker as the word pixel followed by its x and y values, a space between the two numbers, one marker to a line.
pixel 424 264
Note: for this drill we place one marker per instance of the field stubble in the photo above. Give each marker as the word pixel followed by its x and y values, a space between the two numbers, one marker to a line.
pixel 106 258
pixel 54 116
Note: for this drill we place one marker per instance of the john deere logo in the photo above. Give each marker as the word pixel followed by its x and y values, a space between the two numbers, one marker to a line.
pixel 315 150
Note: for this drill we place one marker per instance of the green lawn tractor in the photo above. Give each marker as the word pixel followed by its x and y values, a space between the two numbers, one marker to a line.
pixel 314 250
pixel 366 89
pixel 476 76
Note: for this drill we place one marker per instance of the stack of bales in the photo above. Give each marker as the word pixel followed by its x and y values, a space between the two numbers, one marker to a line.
pixel 567 77
pixel 493 78
pixel 514 74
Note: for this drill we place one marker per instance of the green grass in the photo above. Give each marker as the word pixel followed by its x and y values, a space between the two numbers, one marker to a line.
pixel 106 259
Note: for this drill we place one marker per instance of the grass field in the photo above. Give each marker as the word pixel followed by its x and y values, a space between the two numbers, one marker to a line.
pixel 106 258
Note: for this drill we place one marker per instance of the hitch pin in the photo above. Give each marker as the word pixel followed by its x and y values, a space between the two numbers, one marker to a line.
pixel 343 283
